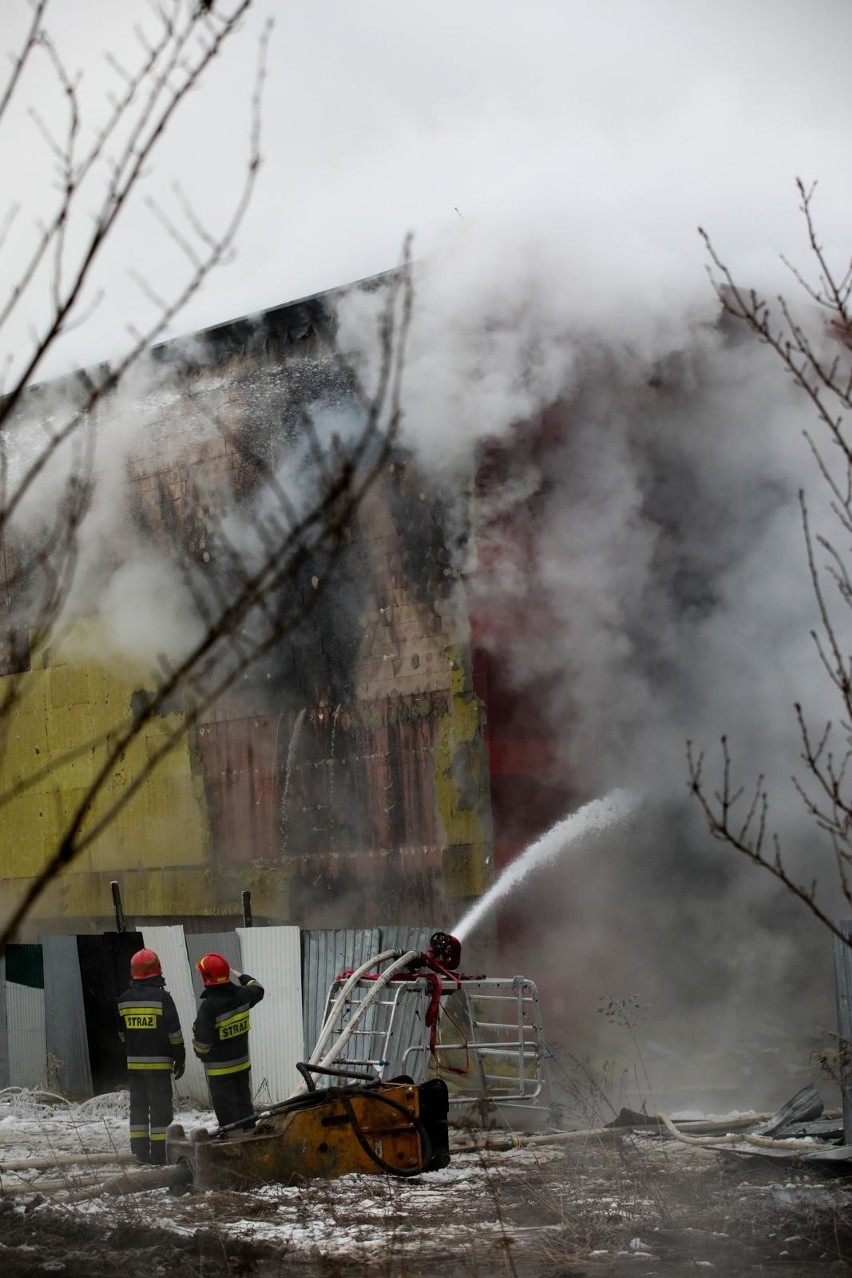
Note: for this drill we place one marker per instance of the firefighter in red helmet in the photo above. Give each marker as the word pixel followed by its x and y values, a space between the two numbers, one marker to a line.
pixel 220 1036
pixel 150 1030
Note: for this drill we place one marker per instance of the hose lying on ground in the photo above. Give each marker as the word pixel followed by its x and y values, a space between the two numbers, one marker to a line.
pixel 738 1138
pixel 66 1160
pixel 137 1182
pixel 513 1140
pixel 27 1189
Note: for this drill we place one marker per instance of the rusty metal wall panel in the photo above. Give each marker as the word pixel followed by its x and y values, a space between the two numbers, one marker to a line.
pixel 170 944
pixel 225 943
pixel 273 956
pixel 104 973
pixel 66 1039
pixel 25 1016
pixel 4 1037
pixel 363 777
pixel 243 786
pixel 325 954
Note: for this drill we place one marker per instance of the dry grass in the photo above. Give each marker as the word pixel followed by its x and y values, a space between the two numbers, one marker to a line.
pixel 637 1204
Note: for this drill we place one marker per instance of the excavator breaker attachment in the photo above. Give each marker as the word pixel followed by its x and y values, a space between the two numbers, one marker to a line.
pixel 397 1128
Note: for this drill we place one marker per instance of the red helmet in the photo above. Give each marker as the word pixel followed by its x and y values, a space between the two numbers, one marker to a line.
pixel 214 969
pixel 145 963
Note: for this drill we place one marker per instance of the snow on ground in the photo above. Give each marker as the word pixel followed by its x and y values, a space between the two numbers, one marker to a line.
pixel 355 1214
pixel 659 1207
pixel 40 1123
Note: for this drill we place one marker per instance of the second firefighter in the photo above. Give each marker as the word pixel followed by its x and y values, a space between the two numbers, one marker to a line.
pixel 220 1036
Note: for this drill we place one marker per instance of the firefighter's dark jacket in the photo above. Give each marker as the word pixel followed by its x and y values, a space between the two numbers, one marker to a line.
pixel 148 1026
pixel 221 1029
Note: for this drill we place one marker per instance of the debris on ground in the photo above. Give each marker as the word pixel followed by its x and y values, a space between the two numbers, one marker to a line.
pixel 582 1204
pixel 800 1132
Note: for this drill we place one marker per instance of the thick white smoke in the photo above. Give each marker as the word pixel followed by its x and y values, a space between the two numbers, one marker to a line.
pixel 670 559
pixel 553 162
pixel 621 127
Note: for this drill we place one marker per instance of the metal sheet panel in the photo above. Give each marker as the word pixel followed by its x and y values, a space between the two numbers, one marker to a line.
pixel 104 973
pixel 406 938
pixel 273 956
pixel 197 943
pixel 25 1016
pixel 27 1048
pixel 4 1037
pixel 325 954
pixel 170 944
pixel 65 1018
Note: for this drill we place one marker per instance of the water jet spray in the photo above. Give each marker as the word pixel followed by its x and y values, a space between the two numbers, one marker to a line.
pixel 591 819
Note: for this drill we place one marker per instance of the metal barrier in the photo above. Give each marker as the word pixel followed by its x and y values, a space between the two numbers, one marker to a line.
pixel 487 1043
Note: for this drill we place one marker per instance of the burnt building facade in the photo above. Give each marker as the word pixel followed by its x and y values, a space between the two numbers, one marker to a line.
pixel 372 765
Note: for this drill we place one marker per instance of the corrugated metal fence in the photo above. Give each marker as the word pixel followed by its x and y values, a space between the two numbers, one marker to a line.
pixel 26 1047
pixel 58 1019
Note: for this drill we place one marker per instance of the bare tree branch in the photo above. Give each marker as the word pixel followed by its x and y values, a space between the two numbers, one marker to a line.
pixel 242 602
pixel 317 537
pixel 819 360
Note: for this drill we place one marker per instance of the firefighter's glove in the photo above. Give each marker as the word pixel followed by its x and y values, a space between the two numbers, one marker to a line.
pixel 178 1069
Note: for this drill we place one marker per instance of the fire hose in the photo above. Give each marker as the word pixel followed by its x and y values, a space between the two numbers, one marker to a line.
pixel 352 980
pixel 402 959
pixel 738 1138
pixel 442 956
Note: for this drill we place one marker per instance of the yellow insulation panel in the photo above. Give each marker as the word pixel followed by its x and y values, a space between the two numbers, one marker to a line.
pixel 24 832
pixel 85 896
pixel 69 686
pixel 461 779
pixel 69 714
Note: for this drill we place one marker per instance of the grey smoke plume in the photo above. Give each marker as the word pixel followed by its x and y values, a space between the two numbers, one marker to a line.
pixel 670 568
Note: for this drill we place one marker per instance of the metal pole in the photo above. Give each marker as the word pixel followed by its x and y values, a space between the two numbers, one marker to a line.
pixel 843 975
pixel 120 921
pixel 247 909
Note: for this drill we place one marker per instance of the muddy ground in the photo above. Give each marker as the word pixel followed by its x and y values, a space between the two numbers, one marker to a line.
pixel 638 1205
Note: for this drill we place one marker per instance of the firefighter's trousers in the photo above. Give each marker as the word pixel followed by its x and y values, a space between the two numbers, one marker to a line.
pixel 151 1113
pixel 230 1095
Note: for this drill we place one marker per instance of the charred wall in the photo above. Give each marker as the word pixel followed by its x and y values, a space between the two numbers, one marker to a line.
pixel 343 778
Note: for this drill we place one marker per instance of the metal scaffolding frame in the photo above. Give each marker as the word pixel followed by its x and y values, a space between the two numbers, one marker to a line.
pixel 487 1044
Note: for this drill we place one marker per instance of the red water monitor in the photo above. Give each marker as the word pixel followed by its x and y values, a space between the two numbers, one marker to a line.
pixel 445 950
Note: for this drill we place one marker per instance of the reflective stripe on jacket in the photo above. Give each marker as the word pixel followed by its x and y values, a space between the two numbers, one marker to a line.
pixel 149 1026
pixel 221 1029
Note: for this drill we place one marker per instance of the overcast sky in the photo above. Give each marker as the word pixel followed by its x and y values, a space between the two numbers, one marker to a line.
pixel 620 123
